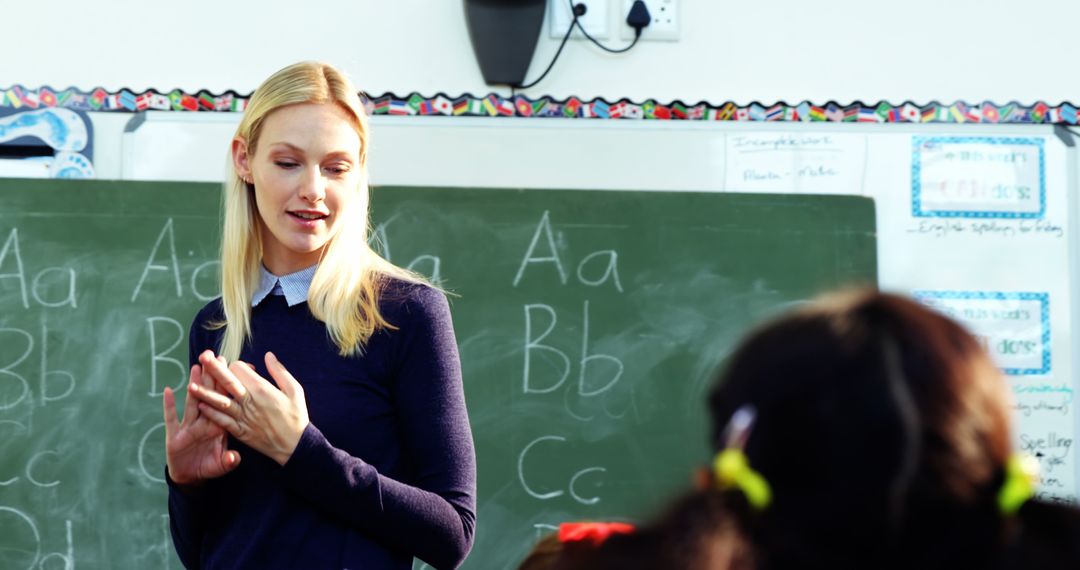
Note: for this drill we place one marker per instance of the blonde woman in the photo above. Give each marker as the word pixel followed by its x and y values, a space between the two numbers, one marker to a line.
pixel 325 424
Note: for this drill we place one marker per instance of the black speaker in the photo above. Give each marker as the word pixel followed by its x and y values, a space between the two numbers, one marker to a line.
pixel 504 34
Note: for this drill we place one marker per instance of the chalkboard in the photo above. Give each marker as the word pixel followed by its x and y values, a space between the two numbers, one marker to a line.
pixel 589 324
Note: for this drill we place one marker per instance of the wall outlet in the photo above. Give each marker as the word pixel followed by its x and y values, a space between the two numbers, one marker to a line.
pixel 595 21
pixel 663 24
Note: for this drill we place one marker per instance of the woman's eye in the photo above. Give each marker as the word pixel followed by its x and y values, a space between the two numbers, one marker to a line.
pixel 285 164
pixel 337 170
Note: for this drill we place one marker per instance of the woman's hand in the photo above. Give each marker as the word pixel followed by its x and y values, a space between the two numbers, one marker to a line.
pixel 268 419
pixel 197 448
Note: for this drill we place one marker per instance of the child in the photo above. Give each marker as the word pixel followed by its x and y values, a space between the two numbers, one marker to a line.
pixel 879 432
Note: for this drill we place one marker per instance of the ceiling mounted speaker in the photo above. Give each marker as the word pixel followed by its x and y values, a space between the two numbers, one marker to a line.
pixel 504 34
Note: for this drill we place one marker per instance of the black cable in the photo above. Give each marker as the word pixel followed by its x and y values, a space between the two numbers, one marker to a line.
pixel 557 52
pixel 575 22
pixel 637 34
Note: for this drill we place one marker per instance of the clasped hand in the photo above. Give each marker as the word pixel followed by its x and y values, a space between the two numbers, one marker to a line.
pixel 267 419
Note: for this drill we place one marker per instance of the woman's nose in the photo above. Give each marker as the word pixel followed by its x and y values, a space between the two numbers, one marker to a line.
pixel 314 187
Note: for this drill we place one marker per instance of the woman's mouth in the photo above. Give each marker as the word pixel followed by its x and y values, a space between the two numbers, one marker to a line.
pixel 308 218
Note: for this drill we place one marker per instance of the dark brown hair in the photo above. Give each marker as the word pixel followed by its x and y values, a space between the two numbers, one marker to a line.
pixel 699 530
pixel 879 422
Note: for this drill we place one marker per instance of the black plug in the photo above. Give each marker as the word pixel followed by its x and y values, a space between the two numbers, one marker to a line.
pixel 639 17
pixel 580 9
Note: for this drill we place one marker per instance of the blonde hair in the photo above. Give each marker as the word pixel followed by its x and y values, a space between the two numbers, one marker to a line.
pixel 346 287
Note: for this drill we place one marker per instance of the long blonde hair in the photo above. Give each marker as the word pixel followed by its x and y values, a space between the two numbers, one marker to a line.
pixel 345 290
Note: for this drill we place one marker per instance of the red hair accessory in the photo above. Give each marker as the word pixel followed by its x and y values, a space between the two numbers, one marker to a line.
pixel 594 532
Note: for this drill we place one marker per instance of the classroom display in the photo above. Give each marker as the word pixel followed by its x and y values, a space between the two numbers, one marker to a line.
pixel 589 325
pixel 495 105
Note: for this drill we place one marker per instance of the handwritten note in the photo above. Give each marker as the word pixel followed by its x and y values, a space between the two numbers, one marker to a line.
pixel 812 163
pixel 978 177
pixel 986 228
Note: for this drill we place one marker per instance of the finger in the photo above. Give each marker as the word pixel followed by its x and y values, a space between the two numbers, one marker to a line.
pixel 172 425
pixel 216 399
pixel 246 374
pixel 206 379
pixel 223 420
pixel 222 375
pixel 285 380
pixel 191 411
pixel 231 460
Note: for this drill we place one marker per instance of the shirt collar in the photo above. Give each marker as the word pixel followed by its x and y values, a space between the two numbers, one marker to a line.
pixel 293 286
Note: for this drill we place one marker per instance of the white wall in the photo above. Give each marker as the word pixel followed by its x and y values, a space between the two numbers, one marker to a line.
pixel 790 50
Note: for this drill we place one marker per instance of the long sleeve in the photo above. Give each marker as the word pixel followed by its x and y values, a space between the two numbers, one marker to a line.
pixel 186 508
pixel 185 514
pixel 433 517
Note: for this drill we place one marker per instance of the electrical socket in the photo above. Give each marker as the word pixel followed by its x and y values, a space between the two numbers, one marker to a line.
pixel 595 21
pixel 663 24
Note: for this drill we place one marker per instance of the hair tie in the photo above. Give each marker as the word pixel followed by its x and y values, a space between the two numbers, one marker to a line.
pixel 731 468
pixel 1021 476
pixel 593 532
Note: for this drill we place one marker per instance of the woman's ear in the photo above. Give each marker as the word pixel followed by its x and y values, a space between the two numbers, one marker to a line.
pixel 241 160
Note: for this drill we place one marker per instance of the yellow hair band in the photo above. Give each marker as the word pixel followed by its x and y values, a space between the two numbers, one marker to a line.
pixel 1021 476
pixel 733 471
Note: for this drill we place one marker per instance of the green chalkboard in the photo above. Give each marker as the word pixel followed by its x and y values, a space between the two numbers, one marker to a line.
pixel 588 323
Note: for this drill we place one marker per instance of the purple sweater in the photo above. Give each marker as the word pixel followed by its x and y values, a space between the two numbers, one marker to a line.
pixel 384 472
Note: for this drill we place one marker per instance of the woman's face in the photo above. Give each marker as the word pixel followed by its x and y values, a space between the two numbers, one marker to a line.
pixel 306 171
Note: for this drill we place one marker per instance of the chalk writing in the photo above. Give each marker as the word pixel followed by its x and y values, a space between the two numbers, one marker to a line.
pixel 381 243
pixel 544 227
pixel 165 234
pixel 611 270
pixel 6 402
pixel 37 561
pixel 586 358
pixel 12 245
pixel 46 373
pixel 196 276
pixel 521 468
pixel 160 356
pixel 50 278
pixel 143 448
pixel 534 343
pixel 571 486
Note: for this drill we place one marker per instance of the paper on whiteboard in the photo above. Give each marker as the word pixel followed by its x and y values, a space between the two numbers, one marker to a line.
pixel 807 162
pixel 1013 327
pixel 978 177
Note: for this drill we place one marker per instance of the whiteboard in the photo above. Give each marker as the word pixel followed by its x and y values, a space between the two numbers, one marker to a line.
pixel 975 220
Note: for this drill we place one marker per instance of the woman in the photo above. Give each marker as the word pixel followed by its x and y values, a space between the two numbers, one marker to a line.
pixel 872 432
pixel 325 424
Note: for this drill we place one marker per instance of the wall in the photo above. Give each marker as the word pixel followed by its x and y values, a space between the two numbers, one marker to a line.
pixel 768 51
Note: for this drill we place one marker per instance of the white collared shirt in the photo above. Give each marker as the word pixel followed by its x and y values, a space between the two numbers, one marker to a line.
pixel 293 286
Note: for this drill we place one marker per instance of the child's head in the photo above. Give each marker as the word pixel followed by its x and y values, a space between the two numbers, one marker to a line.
pixel 871 411
pixel 574 544
pixel 700 530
